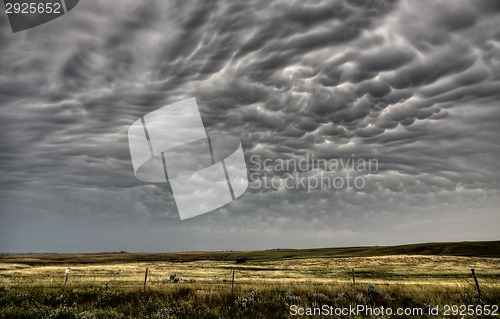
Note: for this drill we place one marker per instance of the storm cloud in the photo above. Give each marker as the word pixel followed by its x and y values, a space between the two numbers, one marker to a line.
pixel 412 84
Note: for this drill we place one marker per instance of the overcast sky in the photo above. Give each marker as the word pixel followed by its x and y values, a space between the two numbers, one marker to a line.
pixel 412 84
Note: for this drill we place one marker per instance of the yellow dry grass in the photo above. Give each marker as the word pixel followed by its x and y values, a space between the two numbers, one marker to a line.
pixel 417 272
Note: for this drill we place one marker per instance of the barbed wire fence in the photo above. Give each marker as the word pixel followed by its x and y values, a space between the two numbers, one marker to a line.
pixel 239 278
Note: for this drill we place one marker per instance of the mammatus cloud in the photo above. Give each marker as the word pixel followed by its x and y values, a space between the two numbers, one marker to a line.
pixel 411 84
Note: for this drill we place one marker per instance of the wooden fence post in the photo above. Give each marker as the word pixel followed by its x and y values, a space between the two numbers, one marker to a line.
pixel 67 278
pixel 353 279
pixel 477 283
pixel 146 278
pixel 232 283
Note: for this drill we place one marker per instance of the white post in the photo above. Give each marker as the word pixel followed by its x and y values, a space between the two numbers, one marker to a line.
pixel 68 270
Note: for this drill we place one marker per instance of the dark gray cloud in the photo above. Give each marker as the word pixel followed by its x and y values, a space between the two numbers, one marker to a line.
pixel 411 84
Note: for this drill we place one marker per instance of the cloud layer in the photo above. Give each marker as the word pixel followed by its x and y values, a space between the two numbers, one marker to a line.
pixel 412 84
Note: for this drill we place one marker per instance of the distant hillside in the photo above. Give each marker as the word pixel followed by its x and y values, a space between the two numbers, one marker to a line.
pixel 467 249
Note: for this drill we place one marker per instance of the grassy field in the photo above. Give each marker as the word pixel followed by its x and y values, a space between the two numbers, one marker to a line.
pixel 266 285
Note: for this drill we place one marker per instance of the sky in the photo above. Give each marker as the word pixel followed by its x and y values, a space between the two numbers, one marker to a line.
pixel 413 85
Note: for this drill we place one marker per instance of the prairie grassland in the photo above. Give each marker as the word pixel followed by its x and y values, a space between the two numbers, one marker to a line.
pixel 402 270
pixel 264 288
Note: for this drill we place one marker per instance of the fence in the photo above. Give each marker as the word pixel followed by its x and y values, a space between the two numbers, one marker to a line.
pixel 240 278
